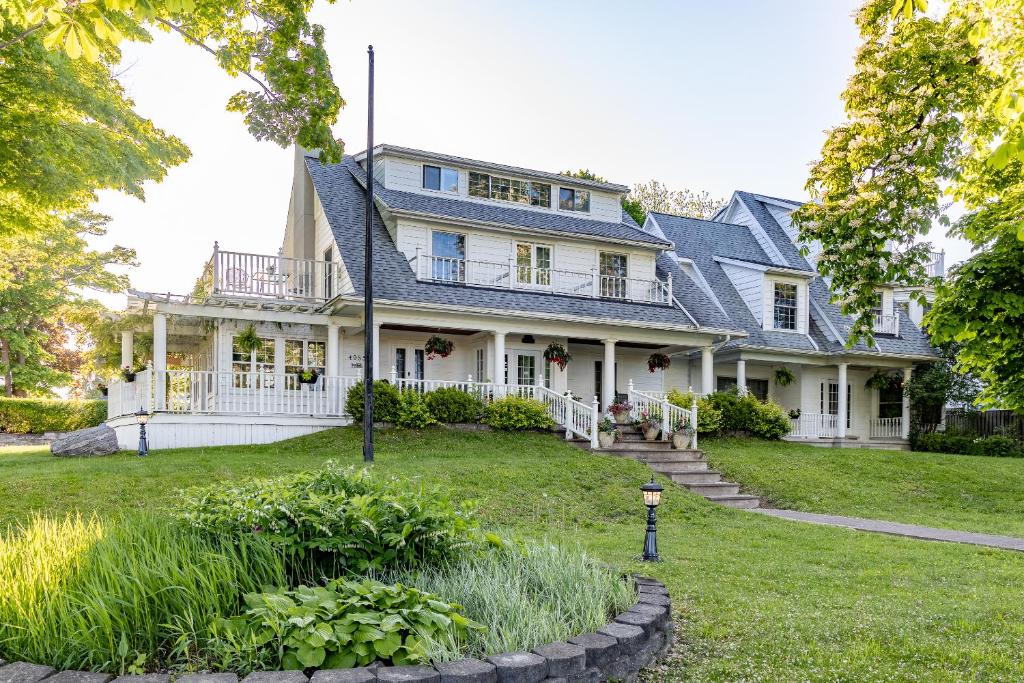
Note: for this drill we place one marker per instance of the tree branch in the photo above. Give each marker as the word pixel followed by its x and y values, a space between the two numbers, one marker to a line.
pixel 24 34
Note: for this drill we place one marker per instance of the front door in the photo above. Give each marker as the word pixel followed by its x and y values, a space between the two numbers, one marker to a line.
pixel 409 363
pixel 525 365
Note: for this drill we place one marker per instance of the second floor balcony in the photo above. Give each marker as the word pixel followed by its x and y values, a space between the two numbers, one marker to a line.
pixel 510 275
pixel 235 274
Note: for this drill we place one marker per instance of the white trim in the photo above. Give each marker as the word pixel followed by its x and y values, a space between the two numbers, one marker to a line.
pixel 764 268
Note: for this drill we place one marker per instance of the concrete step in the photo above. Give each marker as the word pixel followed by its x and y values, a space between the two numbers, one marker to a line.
pixel 687 478
pixel 668 468
pixel 721 488
pixel 738 501
pixel 669 455
pixel 642 446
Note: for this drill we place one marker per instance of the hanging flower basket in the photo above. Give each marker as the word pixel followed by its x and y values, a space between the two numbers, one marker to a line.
pixel 784 377
pixel 308 377
pixel 248 340
pixel 658 361
pixel 882 380
pixel 557 354
pixel 438 347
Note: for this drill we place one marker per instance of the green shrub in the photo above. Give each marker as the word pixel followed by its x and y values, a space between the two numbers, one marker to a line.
pixel 386 401
pixel 769 421
pixel 92 595
pixel 38 415
pixel 526 596
pixel 452 405
pixel 996 446
pixel 340 626
pixel 332 520
pixel 709 418
pixel 412 411
pixel 514 413
pixel 945 442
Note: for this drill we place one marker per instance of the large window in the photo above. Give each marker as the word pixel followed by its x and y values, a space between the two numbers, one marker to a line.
pixel 533 264
pixel 758 388
pixel 830 401
pixel 302 355
pixel 614 269
pixel 573 200
pixel 440 178
pixel 257 365
pixel 481 365
pixel 509 189
pixel 448 256
pixel 890 401
pixel 785 312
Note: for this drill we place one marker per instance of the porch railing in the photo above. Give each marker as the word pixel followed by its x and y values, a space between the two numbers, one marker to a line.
pixel 815 425
pixel 577 417
pixel 513 276
pixel 669 413
pixel 936 266
pixel 886 428
pixel 261 276
pixel 887 324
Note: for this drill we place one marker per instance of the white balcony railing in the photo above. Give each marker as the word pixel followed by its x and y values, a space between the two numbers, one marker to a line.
pixel 936 266
pixel 886 324
pixel 815 425
pixel 261 276
pixel 556 281
pixel 886 428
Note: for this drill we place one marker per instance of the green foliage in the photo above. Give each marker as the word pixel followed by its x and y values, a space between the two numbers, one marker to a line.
pixel 37 415
pixel 453 405
pixel 709 418
pixel 514 413
pixel 527 596
pixel 413 412
pixel 730 412
pixel 107 596
pixel 939 384
pixel 339 626
pixel 386 402
pixel 881 380
pixel 769 421
pixel 784 377
pixel 332 520
pixel 248 340
pixel 942 442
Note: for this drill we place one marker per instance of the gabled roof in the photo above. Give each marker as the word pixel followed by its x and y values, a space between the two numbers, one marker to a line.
pixel 342 195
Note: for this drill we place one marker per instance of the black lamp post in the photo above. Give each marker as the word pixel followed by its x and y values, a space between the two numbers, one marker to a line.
pixel 652 498
pixel 142 417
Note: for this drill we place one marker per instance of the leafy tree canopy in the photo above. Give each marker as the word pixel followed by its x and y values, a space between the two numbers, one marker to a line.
pixel 654 196
pixel 935 116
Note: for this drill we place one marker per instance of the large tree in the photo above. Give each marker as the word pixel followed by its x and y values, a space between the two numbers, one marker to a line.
pixel 654 196
pixel 935 117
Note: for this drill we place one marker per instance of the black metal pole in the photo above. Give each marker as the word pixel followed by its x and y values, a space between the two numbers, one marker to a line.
pixel 651 540
pixel 368 330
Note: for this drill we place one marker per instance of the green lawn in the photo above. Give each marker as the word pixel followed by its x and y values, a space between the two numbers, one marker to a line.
pixel 962 492
pixel 757 598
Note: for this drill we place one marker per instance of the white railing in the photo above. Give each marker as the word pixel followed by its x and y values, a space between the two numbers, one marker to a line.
pixel 513 276
pixel 655 403
pixel 125 398
pixel 815 425
pixel 260 276
pixel 576 417
pixel 886 324
pixel 887 428
pixel 485 391
pixel 936 266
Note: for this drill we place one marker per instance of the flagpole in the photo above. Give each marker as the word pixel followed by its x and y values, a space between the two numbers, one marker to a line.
pixel 368 328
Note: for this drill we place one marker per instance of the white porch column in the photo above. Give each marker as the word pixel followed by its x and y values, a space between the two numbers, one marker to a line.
pixel 741 376
pixel 498 369
pixel 376 351
pixel 608 374
pixel 905 422
pixel 707 370
pixel 841 417
pixel 127 349
pixel 160 357
pixel 332 350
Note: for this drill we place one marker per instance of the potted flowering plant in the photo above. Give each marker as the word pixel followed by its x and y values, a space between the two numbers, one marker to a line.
pixel 658 361
pixel 620 411
pixel 557 354
pixel 606 433
pixel 128 374
pixel 794 414
pixel 649 423
pixel 438 347
pixel 309 376
pixel 682 432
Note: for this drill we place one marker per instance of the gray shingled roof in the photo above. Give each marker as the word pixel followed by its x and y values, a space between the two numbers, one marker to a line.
pixel 343 197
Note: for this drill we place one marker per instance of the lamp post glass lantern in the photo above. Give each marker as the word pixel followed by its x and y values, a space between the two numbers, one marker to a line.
pixel 652 499
pixel 142 417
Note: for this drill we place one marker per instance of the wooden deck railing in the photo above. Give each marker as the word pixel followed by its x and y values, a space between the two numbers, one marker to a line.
pixel 262 276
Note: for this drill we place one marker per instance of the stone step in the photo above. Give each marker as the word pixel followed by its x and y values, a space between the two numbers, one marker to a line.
pixel 738 501
pixel 632 447
pixel 721 488
pixel 696 477
pixel 669 468
pixel 669 455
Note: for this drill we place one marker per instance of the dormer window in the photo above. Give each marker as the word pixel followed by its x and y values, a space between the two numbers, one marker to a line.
pixel 573 200
pixel 440 178
pixel 528 192
pixel 785 309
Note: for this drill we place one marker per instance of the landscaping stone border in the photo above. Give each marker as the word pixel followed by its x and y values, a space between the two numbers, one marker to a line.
pixel 617 652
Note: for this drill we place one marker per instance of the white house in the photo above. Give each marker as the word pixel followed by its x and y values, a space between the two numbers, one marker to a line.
pixel 504 261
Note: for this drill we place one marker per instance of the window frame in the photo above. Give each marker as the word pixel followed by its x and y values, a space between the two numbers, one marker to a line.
pixel 453 270
pixel 533 268
pixel 254 368
pixel 776 306
pixel 575 202
pixel 508 188
pixel 615 286
pixel 441 185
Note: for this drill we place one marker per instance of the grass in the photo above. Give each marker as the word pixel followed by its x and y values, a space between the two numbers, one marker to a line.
pixel 756 598
pixel 968 493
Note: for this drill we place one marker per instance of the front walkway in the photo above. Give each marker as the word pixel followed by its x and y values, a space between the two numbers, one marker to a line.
pixel 897 529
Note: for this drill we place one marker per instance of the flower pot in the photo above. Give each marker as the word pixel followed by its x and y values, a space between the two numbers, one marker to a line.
pixel 680 440
pixel 651 433
pixel 605 439
pixel 621 418
pixel 128 376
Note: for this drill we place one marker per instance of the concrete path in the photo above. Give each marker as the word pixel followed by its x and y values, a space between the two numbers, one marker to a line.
pixel 897 529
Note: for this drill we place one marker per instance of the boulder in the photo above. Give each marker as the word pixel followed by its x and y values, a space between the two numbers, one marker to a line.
pixel 100 440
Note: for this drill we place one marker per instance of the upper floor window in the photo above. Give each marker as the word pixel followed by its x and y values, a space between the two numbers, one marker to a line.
pixel 785 316
pixel 533 264
pixel 573 200
pixel 448 256
pixel 440 178
pixel 509 189
pixel 328 272
pixel 614 269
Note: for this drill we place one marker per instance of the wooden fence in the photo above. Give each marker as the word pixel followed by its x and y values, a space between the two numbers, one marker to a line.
pixel 986 423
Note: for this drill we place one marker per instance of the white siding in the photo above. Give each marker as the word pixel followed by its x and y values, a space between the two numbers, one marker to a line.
pixel 738 214
pixel 768 315
pixel 784 218
pixel 324 237
pixel 749 282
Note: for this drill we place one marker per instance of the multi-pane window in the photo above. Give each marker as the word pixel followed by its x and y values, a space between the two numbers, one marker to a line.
pixel 785 309
pixel 440 178
pixel 533 264
pixel 300 355
pixel 528 192
pixel 448 256
pixel 890 401
pixel 259 362
pixel 613 270
pixel 573 200
pixel 329 272
pixel 830 401
pixel 481 365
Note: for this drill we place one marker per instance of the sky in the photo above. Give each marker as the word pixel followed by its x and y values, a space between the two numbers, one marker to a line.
pixel 705 95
